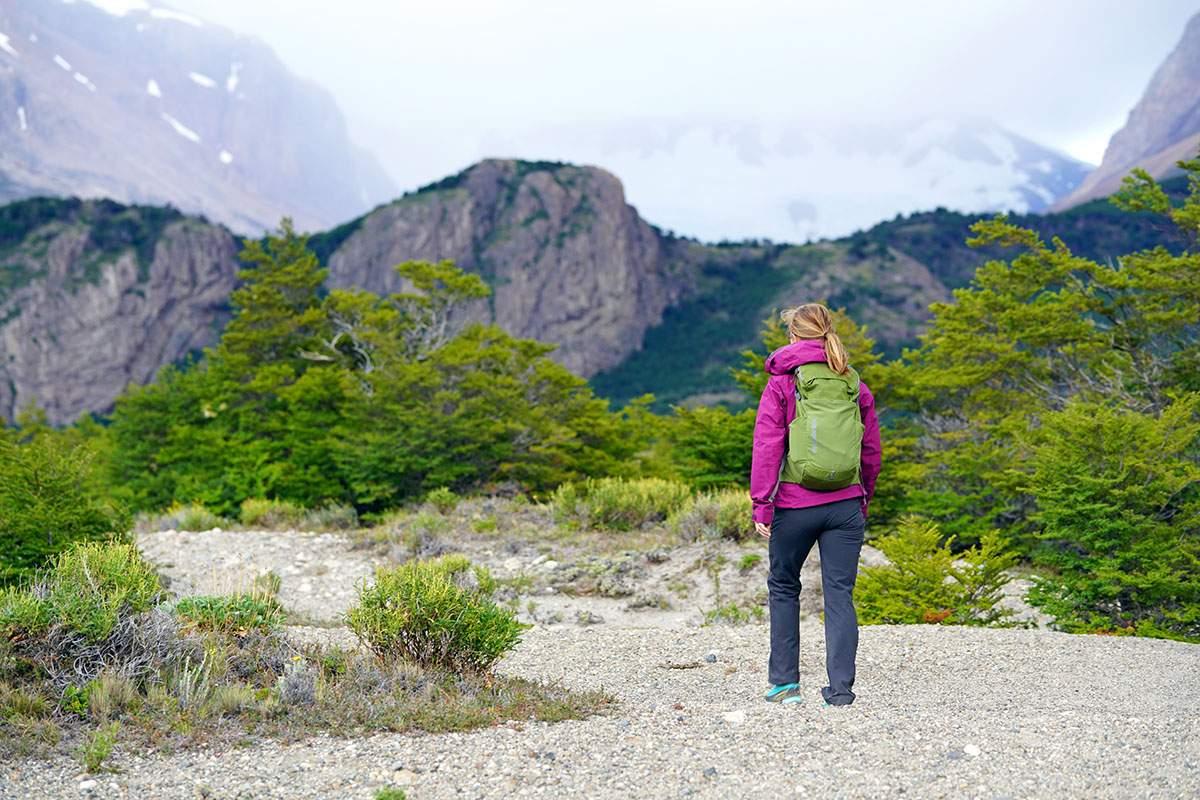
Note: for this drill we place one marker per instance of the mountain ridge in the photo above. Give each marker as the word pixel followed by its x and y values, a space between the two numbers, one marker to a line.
pixel 1162 129
pixel 151 106
pixel 630 307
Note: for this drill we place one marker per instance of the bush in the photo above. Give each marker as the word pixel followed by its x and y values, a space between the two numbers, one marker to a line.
pixel 89 587
pixel 330 517
pixel 724 514
pixel 1118 499
pixel 271 514
pixel 98 747
pixel 190 517
pixel 46 505
pixel 619 504
pixel 924 583
pixel 436 613
pixel 443 499
pixel 234 615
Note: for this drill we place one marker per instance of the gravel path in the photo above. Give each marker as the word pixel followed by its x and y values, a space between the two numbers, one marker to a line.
pixel 942 712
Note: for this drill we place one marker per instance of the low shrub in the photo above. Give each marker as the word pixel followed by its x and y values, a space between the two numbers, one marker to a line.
pixel 270 514
pixel 618 504
pixel 443 499
pixel 190 517
pixel 89 587
pixel 330 517
pixel 46 505
pixel 99 747
pixel 233 615
pixel 724 514
pixel 733 614
pixel 439 614
pixel 926 583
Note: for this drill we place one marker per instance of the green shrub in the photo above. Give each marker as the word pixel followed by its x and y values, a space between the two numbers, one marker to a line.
pixel 330 517
pixel 487 524
pixel 271 514
pixel 619 504
pixel 443 499
pixel 46 504
pixel 190 517
pixel 733 614
pixel 437 613
pixel 98 747
pixel 234 615
pixel 388 793
pixel 724 514
pixel 85 592
pixel 749 561
pixel 1118 500
pixel 926 583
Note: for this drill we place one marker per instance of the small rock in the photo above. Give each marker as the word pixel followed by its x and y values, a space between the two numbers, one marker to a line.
pixel 404 776
pixel 512 564
pixel 972 750
pixel 735 717
pixel 87 786
pixel 216 530
pixel 549 565
pixel 710 772
pixel 538 560
pixel 954 755
pixel 711 658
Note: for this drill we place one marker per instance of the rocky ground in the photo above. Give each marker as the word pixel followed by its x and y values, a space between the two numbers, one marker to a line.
pixel 942 712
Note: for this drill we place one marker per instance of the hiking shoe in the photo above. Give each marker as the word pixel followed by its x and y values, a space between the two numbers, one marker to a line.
pixel 783 693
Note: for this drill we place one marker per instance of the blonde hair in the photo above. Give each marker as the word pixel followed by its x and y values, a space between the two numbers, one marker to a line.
pixel 813 321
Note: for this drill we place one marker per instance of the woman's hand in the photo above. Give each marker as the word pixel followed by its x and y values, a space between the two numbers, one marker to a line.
pixel 762 529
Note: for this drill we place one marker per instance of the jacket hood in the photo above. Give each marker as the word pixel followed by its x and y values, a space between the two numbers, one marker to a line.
pixel 785 360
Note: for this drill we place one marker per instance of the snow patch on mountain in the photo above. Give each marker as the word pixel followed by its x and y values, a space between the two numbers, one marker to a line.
pixel 152 88
pixel 62 62
pixel 226 157
pixel 81 78
pixel 231 82
pixel 181 129
pixel 21 118
pixel 201 79
pixel 6 47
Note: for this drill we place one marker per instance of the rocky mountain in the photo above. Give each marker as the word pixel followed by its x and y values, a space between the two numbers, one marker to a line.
pixel 94 294
pixel 569 261
pixel 725 179
pixel 1162 129
pixel 130 100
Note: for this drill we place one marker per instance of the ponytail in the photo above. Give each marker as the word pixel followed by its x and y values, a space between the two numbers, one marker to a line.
pixel 813 321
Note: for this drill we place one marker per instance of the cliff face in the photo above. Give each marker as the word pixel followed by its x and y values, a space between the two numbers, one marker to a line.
pixel 153 106
pixel 96 296
pixel 1163 128
pixel 569 261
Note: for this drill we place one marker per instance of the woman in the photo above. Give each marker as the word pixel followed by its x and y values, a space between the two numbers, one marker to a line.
pixel 815 491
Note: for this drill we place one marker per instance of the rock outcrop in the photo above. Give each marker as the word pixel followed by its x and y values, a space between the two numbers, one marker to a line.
pixel 96 296
pixel 569 261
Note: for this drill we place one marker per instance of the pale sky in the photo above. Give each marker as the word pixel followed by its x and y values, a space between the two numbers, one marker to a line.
pixel 426 85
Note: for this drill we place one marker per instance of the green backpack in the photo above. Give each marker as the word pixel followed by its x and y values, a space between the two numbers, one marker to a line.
pixel 825 439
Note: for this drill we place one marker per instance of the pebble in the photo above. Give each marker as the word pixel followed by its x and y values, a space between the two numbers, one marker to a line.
pixel 735 717
pixel 972 750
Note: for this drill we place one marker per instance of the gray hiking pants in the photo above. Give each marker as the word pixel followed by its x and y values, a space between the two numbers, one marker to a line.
pixel 837 528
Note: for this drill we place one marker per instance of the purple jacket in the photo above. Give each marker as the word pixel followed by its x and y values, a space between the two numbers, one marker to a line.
pixel 776 410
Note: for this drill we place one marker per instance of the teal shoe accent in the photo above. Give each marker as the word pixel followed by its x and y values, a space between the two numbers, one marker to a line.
pixel 792 700
pixel 780 693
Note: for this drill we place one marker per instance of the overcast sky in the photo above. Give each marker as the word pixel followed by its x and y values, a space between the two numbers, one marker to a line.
pixel 425 85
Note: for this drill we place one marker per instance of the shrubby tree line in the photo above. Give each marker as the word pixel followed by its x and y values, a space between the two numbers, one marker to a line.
pixel 1051 414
